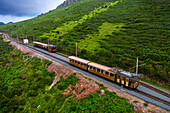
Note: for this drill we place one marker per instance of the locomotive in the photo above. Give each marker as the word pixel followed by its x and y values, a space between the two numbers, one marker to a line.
pixel 126 79
pixel 50 48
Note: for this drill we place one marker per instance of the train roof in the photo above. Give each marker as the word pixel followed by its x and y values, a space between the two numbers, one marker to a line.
pixel 99 66
pixel 102 67
pixel 128 75
pixel 79 59
pixel 52 46
pixel 40 43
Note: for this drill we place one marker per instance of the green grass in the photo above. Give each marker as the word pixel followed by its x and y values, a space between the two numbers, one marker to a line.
pixel 68 26
pixel 91 42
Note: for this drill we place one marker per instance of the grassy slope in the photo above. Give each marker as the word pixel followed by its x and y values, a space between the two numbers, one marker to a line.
pixel 112 36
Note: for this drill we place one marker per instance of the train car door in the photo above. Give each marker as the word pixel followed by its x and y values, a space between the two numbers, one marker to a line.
pixel 118 79
pixel 127 82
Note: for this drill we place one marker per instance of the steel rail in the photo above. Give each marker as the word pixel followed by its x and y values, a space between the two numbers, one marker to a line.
pixel 154 89
pixel 61 55
pixel 153 97
pixel 46 53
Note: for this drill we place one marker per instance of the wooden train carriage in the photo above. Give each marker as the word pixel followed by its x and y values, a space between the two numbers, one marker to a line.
pixel 50 48
pixel 127 79
pixel 41 45
pixel 79 62
pixel 101 70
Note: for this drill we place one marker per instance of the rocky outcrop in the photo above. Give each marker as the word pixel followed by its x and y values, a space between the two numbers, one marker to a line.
pixel 67 2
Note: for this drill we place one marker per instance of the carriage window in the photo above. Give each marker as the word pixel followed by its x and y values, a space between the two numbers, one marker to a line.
pixel 107 73
pixel 98 70
pixel 102 71
pixel 111 74
pixel 94 68
pixel 84 65
pixel 80 63
pixel 75 61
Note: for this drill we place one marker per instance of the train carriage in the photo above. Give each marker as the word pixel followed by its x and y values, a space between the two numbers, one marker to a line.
pixel 79 62
pixel 50 48
pixel 123 78
pixel 101 70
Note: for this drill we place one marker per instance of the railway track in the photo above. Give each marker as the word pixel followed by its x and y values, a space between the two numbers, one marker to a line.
pixel 163 101
pixel 61 55
pixel 46 53
pixel 153 97
pixel 154 89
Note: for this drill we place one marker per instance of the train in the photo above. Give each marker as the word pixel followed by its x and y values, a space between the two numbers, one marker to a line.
pixel 49 47
pixel 126 79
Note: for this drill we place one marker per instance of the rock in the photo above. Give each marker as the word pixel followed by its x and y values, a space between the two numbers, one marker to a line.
pixel 66 3
pixel 102 91
pixel 38 106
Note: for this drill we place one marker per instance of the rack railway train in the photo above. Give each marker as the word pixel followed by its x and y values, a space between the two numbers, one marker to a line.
pixel 126 79
pixel 50 48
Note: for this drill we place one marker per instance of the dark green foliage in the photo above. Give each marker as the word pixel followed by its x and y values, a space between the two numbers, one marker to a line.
pixel 145 104
pixel 20 79
pixel 63 84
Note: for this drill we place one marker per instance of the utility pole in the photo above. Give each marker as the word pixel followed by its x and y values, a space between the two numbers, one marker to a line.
pixel 48 42
pixel 18 38
pixel 137 67
pixel 76 49
pixel 22 36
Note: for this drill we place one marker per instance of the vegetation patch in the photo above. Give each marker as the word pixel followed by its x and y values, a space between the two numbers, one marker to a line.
pixel 92 41
pixel 68 26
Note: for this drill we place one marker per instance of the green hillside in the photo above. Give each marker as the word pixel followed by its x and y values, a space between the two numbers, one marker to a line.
pixel 109 32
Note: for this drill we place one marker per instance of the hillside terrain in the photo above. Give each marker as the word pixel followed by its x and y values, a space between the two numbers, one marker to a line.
pixel 25 81
pixel 109 32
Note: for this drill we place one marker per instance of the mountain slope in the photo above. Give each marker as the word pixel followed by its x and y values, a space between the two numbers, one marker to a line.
pixel 1 23
pixel 109 32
